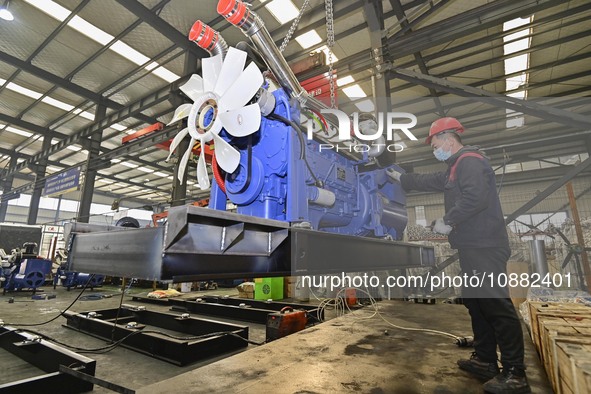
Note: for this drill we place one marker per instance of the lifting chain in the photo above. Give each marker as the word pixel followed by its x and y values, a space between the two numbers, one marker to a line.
pixel 330 45
pixel 294 25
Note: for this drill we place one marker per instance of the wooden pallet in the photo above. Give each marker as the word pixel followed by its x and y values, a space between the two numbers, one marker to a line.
pixel 537 310
pixel 573 362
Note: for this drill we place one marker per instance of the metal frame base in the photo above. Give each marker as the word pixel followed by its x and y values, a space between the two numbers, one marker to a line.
pixel 179 351
pixel 48 357
pixel 254 311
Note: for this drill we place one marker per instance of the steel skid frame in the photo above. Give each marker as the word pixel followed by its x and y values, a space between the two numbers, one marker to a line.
pixel 171 337
pixel 254 311
pixel 47 357
pixel 199 243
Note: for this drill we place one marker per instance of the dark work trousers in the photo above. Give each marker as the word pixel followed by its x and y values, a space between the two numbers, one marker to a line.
pixel 494 319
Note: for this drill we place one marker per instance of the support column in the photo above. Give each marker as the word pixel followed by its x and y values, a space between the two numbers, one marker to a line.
pixel 380 79
pixel 6 186
pixel 39 170
pixel 94 150
pixel 179 189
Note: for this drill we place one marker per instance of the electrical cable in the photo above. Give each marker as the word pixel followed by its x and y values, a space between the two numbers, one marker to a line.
pixel 119 308
pixel 300 134
pixel 55 317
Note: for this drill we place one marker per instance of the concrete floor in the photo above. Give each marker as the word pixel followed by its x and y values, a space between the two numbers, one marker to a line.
pixel 354 353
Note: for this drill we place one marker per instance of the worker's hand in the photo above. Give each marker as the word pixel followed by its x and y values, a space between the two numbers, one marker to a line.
pixel 393 174
pixel 441 228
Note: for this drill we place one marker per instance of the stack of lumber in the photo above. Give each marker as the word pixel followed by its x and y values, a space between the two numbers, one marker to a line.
pixel 561 333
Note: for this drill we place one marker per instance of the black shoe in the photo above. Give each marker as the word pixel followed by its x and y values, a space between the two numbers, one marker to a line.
pixel 510 381
pixel 479 368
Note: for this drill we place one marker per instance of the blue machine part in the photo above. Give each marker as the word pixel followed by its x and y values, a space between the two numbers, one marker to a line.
pixel 71 279
pixel 28 273
pixel 342 196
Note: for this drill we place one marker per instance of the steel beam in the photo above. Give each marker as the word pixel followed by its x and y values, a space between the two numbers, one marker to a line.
pixel 89 171
pixel 466 23
pixel 573 172
pixel 193 339
pixel 539 110
pixel 6 187
pixel 168 31
pixel 47 357
pixel 115 117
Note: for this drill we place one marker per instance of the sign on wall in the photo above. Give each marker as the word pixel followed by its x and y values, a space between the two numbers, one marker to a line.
pixel 62 183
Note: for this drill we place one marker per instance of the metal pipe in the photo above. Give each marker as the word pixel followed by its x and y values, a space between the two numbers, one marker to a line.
pixel 238 14
pixel 209 39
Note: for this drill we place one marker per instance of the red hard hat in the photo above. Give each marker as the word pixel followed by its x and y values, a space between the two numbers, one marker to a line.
pixel 444 124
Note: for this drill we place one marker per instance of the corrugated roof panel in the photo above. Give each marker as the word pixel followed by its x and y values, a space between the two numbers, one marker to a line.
pixel 103 71
pixel 66 52
pixel 109 16
pixel 12 103
pixel 24 34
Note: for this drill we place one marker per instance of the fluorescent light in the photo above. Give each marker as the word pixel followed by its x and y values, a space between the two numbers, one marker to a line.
pixel 18 131
pixel 345 80
pixel 308 39
pixel 366 106
pixel 115 161
pixel 283 10
pixel 75 148
pixel 354 91
pixel 161 174
pixel 5 13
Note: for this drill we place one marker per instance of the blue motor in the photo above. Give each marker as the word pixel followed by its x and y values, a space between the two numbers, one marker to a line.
pixel 23 269
pixel 285 176
pixel 72 279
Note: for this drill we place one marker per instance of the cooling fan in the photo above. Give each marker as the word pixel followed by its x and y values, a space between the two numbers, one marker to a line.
pixel 219 101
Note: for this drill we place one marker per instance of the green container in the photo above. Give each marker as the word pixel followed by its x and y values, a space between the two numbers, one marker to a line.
pixel 268 288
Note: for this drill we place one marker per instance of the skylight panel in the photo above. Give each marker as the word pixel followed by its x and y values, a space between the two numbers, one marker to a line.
pixel 354 91
pixel 308 39
pixel 366 106
pixel 283 10
pixel 345 80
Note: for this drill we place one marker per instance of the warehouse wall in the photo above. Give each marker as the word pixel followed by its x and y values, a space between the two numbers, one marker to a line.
pixel 512 197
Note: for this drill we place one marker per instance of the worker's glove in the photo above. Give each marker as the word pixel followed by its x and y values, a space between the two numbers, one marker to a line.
pixel 441 228
pixel 393 174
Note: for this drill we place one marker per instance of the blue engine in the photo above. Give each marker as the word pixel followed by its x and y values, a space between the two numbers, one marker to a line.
pixel 330 192
pixel 72 279
pixel 23 269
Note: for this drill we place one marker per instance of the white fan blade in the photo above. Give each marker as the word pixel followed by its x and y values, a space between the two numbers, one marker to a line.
pixel 180 113
pixel 242 90
pixel 231 70
pixel 184 161
pixel 211 67
pixel 176 141
pixel 242 121
pixel 202 176
pixel 227 157
pixel 193 88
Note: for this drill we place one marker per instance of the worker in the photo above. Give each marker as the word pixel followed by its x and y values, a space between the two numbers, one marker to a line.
pixel 475 226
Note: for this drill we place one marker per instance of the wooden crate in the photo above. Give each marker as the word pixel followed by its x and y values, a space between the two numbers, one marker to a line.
pixel 573 366
pixel 553 329
pixel 552 309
